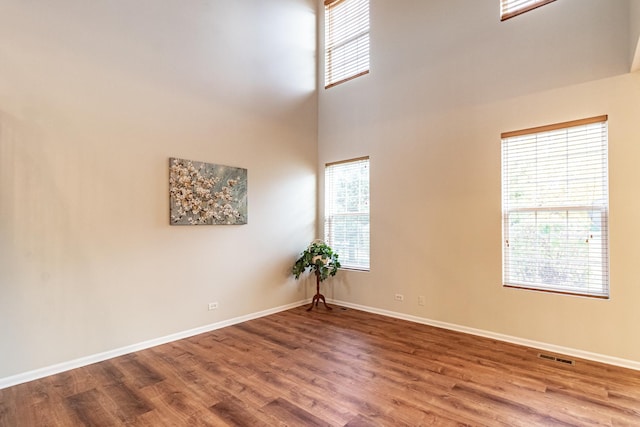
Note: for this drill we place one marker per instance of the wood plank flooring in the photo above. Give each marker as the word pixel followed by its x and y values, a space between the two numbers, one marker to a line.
pixel 338 368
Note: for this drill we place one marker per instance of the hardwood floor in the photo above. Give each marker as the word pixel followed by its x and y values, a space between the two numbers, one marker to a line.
pixel 339 368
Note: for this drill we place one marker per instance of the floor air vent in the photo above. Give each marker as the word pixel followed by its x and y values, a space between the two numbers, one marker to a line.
pixel 556 359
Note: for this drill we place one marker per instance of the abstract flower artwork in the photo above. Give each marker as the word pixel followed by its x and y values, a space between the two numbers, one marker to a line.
pixel 204 194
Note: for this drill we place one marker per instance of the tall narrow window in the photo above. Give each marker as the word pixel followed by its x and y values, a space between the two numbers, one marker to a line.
pixel 346 217
pixel 346 40
pixel 555 208
pixel 511 8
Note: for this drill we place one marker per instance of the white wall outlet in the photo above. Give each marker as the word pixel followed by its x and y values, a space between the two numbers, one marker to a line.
pixel 399 297
pixel 422 300
pixel 213 305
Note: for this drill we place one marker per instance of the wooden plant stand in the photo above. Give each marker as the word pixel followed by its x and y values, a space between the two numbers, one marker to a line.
pixel 318 296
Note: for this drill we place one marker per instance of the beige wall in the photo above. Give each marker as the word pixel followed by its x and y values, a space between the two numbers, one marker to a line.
pixel 446 79
pixel 94 98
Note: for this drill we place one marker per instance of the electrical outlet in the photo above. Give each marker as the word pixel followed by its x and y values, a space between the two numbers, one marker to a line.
pixel 213 305
pixel 399 297
pixel 422 300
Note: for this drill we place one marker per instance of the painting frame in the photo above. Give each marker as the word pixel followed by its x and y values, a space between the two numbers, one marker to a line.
pixel 202 193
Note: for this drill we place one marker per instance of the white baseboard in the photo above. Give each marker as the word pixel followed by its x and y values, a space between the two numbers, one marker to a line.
pixel 602 358
pixel 88 360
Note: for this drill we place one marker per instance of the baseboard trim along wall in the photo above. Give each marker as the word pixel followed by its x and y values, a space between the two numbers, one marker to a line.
pixel 88 360
pixel 84 361
pixel 609 360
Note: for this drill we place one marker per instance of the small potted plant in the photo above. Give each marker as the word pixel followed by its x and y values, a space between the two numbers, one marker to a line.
pixel 323 261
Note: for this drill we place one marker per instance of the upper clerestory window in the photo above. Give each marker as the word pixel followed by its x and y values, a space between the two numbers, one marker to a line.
pixel 346 40
pixel 511 8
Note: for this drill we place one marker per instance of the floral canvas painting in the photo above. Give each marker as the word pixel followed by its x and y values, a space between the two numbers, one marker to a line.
pixel 204 193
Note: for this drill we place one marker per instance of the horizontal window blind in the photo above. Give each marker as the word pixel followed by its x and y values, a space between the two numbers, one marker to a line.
pixel 346 40
pixel 346 220
pixel 555 208
pixel 511 8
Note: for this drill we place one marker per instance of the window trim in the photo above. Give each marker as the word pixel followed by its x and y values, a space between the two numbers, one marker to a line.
pixel 604 214
pixel 555 126
pixel 532 6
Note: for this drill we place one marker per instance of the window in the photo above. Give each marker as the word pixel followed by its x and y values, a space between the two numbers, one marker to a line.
pixel 511 8
pixel 555 207
pixel 346 211
pixel 346 40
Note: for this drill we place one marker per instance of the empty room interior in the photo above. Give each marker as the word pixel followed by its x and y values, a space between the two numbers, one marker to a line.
pixel 491 283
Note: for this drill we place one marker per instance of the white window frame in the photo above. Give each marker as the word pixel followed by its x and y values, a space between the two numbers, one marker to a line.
pixel 511 8
pixel 339 212
pixel 570 208
pixel 346 35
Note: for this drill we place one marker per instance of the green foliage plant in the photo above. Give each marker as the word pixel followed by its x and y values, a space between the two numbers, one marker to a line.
pixel 320 259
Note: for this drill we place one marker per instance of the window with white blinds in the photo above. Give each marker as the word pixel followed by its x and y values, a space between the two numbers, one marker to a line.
pixel 555 207
pixel 346 40
pixel 511 8
pixel 346 217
